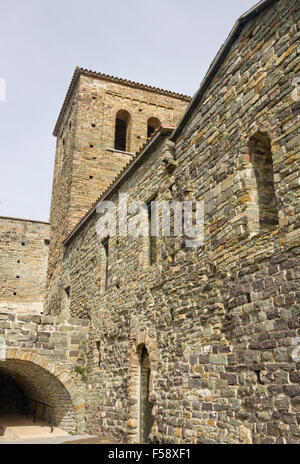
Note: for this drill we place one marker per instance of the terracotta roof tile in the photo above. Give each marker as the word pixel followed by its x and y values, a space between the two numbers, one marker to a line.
pixel 87 72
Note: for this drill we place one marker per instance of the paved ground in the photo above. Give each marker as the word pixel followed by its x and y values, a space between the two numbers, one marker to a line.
pixel 92 441
pixel 51 441
pixel 16 429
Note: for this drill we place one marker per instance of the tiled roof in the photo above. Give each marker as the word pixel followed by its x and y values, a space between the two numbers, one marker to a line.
pixel 86 72
pixel 255 10
pixel 9 218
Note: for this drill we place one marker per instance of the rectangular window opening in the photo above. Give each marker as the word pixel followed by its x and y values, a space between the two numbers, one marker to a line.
pixel 98 353
pixel 105 247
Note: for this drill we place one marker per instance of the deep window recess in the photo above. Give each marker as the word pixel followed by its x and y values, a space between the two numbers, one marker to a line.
pixel 153 124
pixel 122 131
pixel 98 353
pixel 265 213
pixel 106 249
pixel 152 240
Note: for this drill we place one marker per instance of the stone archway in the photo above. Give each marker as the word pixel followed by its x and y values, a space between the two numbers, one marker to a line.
pixel 49 383
pixel 143 343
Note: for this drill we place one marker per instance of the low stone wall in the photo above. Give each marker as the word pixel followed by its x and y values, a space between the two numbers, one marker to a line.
pixel 24 246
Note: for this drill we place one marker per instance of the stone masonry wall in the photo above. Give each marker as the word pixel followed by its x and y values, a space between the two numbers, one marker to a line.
pixel 23 264
pixel 46 358
pixel 85 164
pixel 221 320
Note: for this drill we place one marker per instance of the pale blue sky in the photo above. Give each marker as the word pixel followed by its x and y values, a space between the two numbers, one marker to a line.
pixel 164 43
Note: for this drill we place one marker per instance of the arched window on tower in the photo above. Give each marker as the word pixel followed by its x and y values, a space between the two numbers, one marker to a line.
pixel 153 124
pixel 265 214
pixel 122 131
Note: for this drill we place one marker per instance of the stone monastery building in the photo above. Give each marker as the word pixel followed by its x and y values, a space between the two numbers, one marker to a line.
pixel 145 339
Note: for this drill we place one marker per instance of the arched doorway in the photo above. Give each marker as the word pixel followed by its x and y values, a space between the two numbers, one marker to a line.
pixel 22 381
pixel 142 394
pixel 146 419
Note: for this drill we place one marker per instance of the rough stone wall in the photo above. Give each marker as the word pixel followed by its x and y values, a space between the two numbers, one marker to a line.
pixel 84 164
pixel 23 264
pixel 46 358
pixel 223 318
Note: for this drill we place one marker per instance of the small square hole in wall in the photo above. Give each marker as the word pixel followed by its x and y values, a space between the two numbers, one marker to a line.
pixel 93 125
pixel 15 293
pixel 140 109
pixel 91 177
pixel 94 98
pixel 23 243
pixel 47 242
pixel 18 277
pixel 18 261
pixel 91 146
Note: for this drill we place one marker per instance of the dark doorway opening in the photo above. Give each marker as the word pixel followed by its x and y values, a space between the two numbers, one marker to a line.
pixel 29 390
pixel 146 418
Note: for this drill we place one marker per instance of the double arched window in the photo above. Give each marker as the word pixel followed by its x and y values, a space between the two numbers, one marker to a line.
pixel 123 128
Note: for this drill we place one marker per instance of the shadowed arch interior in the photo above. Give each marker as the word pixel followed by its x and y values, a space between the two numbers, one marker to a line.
pixel 153 124
pixel 122 131
pixel 20 379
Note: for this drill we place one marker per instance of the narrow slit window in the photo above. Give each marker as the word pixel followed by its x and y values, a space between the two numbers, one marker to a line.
pixel 152 239
pixel 98 353
pixel 105 267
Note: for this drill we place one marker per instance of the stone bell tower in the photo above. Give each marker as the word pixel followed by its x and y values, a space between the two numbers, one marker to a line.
pixel 104 120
